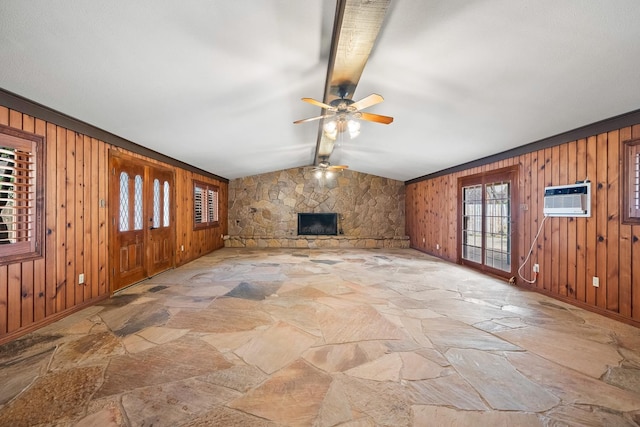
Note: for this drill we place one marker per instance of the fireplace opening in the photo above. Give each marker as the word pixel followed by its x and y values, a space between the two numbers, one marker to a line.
pixel 317 224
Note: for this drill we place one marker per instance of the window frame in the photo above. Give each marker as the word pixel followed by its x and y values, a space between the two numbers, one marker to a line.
pixel 33 248
pixel 205 188
pixel 630 213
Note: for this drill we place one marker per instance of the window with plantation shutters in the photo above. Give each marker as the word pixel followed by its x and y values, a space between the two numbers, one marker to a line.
pixel 21 190
pixel 631 195
pixel 205 200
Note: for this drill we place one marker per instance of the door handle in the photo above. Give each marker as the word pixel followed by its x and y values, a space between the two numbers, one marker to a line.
pixel 153 228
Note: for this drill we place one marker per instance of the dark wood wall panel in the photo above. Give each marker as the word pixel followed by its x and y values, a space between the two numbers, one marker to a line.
pixel 36 292
pixel 570 251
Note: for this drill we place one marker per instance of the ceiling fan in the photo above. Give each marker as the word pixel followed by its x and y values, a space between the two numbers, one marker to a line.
pixel 324 165
pixel 344 112
pixel 326 169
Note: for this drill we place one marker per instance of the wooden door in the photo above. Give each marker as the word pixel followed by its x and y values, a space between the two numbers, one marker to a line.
pixel 160 237
pixel 142 225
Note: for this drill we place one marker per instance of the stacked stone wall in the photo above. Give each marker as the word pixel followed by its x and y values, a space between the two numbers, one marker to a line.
pixel 264 208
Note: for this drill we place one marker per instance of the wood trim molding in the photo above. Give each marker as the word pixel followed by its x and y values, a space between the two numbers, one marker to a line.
pixel 26 106
pixel 603 126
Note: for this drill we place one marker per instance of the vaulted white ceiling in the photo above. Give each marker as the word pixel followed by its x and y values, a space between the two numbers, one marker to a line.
pixel 217 84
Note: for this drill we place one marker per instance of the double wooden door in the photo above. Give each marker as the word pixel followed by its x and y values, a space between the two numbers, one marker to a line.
pixel 142 220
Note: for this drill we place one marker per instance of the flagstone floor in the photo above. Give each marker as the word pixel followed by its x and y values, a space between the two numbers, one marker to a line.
pixel 324 338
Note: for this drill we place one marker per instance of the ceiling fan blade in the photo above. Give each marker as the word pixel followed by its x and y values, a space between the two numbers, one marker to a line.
pixel 310 119
pixel 338 167
pixel 318 103
pixel 376 118
pixel 370 100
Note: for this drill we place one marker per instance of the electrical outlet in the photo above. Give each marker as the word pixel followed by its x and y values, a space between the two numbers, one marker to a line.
pixel 438 246
pixel 182 248
pixel 536 268
pixel 81 279
pixel 596 282
pixel 424 240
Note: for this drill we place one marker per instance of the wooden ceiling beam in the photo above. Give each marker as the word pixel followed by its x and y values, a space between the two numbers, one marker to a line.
pixel 356 28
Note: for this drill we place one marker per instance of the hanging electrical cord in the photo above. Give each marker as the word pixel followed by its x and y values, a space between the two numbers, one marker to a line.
pixel 535 273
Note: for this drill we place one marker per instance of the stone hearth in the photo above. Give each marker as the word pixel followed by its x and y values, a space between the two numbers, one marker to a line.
pixel 314 242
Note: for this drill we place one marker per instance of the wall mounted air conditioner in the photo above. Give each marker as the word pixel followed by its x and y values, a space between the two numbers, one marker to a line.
pixel 568 200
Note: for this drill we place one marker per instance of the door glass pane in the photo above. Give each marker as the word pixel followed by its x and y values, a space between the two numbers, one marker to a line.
pixel 165 221
pixel 497 226
pixel 472 223
pixel 156 203
pixel 124 201
pixel 137 203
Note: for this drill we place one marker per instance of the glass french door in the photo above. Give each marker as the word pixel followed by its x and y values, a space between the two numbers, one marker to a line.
pixel 487 222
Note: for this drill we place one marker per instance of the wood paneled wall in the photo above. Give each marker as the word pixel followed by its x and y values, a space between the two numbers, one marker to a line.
pixel 198 242
pixel 570 251
pixel 37 292
pixel 195 242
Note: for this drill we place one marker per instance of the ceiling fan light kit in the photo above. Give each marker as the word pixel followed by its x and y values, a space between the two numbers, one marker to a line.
pixel 343 110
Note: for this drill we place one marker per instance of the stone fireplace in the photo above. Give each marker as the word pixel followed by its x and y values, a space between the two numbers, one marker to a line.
pixel 317 224
pixel 263 210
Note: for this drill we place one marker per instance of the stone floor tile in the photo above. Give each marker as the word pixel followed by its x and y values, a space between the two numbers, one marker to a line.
pixel 17 375
pixel 110 416
pixel 450 390
pixel 413 327
pixel 183 358
pixel 585 416
pixel 341 357
pixel 421 313
pixel 466 311
pixel 443 416
pixel 385 368
pixel 584 355
pixel 207 291
pixel 293 396
pixel 445 333
pixel 54 398
pixel 135 344
pixel 174 403
pixel 93 349
pixel 143 300
pixel 76 323
pixel 499 383
pixel 572 386
pixel 624 377
pixel 295 312
pixel 358 323
pixel 416 367
pixel 223 315
pixel 240 378
pixel 223 416
pixel 295 290
pixel 433 355
pixel 161 335
pixel 385 403
pixel 129 319
pixel 335 408
pixel 229 341
pixel 276 347
pixel 186 301
pixel 434 294
pixel 343 338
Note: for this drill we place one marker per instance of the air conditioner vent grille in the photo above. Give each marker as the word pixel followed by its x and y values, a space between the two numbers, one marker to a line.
pixel 568 200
